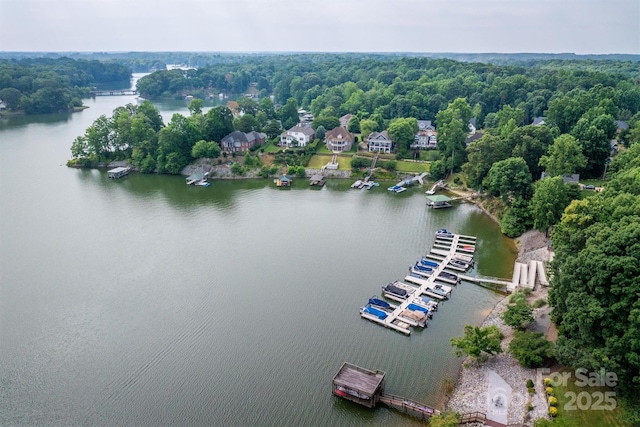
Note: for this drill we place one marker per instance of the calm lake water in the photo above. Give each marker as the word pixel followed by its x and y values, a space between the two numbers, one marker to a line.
pixel 142 301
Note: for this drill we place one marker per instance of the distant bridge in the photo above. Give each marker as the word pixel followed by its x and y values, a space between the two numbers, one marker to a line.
pixel 120 92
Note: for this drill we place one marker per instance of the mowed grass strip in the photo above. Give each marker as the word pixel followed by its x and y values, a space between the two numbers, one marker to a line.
pixel 318 161
pixel 403 166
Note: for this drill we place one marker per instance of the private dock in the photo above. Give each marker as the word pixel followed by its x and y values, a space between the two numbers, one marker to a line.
pixel 317 179
pixel 365 387
pixel 119 172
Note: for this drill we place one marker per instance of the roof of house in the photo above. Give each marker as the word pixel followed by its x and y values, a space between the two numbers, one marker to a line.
pixel 237 136
pixel 425 125
pixel 472 121
pixel 307 130
pixel 379 137
pixel 538 121
pixel 346 117
pixel 622 124
pixel 473 137
pixel 339 134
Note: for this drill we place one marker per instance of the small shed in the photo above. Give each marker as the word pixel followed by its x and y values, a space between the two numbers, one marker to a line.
pixel 359 385
pixel 439 201
pixel 118 172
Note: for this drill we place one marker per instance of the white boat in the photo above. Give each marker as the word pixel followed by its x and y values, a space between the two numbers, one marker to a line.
pixel 356 184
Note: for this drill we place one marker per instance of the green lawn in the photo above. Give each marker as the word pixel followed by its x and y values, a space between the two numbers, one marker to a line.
pixel 569 407
pixel 403 166
pixel 316 162
pixel 271 148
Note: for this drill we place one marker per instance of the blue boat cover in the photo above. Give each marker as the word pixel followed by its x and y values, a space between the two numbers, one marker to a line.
pixel 379 302
pixel 415 307
pixel 422 267
pixel 425 261
pixel 378 313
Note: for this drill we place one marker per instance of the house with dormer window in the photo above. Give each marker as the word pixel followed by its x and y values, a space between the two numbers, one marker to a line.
pixel 380 142
pixel 339 139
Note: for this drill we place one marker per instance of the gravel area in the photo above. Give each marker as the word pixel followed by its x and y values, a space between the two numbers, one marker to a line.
pixel 473 392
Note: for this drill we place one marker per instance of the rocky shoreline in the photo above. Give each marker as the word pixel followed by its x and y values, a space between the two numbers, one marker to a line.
pixel 472 392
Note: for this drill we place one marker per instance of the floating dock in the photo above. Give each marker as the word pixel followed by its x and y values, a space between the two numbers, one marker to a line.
pixel 119 172
pixel 405 294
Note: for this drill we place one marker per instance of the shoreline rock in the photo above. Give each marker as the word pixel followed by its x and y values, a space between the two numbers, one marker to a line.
pixel 471 390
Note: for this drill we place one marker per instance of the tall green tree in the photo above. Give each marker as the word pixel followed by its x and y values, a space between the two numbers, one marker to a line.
pixel 402 132
pixel 453 127
pixel 549 200
pixel 482 154
pixel 218 123
pixel 288 113
pixel 509 179
pixel 564 156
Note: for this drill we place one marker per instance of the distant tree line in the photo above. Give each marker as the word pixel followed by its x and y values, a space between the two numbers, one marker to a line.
pixel 44 85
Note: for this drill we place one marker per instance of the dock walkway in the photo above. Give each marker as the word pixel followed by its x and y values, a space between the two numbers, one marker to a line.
pixel 391 321
pixel 407 405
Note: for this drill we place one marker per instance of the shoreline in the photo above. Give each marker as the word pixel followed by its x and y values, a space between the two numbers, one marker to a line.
pixel 471 392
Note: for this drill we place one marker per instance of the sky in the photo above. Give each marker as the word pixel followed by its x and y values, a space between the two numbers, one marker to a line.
pixel 470 26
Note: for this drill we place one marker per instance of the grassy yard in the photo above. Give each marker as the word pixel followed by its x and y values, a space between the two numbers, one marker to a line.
pixel 585 407
pixel 404 166
pixel 316 162
pixel 271 148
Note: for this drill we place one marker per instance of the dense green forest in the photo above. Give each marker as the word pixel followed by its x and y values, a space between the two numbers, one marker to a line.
pixel 595 290
pixel 44 85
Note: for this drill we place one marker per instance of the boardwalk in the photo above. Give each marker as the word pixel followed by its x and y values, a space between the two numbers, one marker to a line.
pixel 408 406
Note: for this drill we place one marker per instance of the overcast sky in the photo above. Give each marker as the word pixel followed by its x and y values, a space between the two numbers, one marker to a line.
pixel 579 26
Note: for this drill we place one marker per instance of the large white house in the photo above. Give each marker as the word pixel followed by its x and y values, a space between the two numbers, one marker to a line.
pixel 380 141
pixel 297 136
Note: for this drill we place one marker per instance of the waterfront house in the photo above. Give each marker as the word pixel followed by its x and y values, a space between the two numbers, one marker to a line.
pixel 472 126
pixel 426 137
pixel 239 141
pixel 380 142
pixel 344 120
pixel 538 121
pixel 339 139
pixel 298 136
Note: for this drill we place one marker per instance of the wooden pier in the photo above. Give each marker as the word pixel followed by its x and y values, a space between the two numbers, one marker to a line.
pixel 119 92
pixel 365 387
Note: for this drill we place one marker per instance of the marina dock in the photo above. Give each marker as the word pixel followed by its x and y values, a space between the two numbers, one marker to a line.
pixel 427 286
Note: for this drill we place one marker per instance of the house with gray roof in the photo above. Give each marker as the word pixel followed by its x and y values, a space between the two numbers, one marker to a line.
pixel 538 121
pixel 380 142
pixel 240 141
pixel 426 137
pixel 298 136
pixel 339 139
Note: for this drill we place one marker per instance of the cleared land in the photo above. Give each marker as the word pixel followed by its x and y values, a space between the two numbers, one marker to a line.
pixel 404 166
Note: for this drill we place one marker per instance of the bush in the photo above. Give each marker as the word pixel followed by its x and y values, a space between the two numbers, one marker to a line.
pixel 539 303
pixel 553 401
pixel 547 382
pixel 530 383
pixel 531 349
pixel 530 406
pixel 553 411
pixel 518 315
pixel 549 391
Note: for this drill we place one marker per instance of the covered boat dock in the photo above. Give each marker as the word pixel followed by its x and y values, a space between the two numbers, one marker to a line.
pixel 439 201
